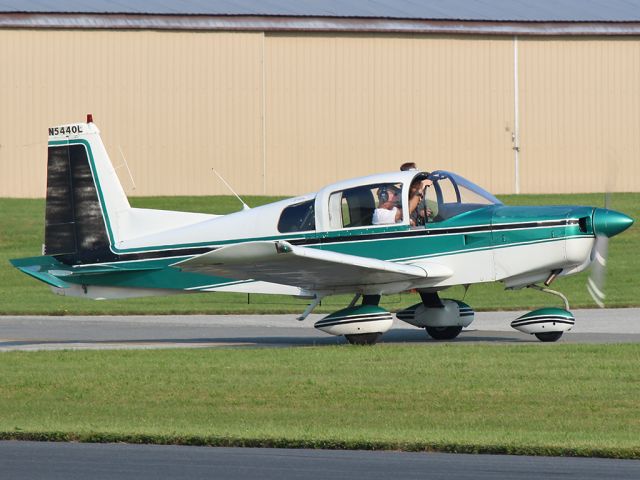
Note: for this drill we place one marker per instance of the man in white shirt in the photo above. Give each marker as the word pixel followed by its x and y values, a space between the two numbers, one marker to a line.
pixel 387 211
pixel 389 198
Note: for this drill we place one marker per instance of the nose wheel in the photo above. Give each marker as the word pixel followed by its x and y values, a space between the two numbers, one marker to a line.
pixel 443 333
pixel 363 338
pixel 548 336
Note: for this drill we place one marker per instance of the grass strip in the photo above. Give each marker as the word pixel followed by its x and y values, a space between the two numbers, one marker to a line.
pixel 571 400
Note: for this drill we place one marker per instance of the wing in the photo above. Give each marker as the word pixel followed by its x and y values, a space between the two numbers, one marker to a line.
pixel 309 268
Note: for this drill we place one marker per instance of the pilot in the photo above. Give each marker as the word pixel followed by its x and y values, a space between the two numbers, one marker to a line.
pixel 388 210
pixel 389 207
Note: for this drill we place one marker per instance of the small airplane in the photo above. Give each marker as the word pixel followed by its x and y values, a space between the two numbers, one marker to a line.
pixel 437 230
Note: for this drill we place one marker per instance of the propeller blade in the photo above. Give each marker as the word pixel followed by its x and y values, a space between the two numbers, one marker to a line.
pixel 596 281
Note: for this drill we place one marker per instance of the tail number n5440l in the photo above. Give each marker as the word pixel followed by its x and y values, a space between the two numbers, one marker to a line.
pixel 65 130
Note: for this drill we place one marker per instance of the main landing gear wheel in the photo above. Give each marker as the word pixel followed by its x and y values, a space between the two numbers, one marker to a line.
pixel 363 338
pixel 548 336
pixel 443 333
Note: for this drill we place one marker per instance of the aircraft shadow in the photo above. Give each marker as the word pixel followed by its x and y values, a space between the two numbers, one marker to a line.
pixel 395 336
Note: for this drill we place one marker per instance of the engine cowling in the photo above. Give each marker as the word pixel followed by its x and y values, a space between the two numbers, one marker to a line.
pixel 453 313
pixel 357 320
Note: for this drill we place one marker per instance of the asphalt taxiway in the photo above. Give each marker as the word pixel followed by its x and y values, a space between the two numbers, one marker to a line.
pixel 210 331
pixel 64 461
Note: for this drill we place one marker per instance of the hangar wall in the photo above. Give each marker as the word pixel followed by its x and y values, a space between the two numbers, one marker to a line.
pixel 580 114
pixel 287 113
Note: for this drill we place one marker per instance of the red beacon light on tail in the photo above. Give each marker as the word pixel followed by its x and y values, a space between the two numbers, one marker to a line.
pixel 89 118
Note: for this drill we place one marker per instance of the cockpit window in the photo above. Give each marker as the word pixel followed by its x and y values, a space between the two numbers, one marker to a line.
pixel 298 218
pixel 452 195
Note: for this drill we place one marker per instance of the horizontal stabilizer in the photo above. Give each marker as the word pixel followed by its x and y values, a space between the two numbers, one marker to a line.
pixel 309 268
pixel 39 268
pixel 49 270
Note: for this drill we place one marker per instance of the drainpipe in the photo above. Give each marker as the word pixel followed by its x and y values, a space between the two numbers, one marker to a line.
pixel 515 135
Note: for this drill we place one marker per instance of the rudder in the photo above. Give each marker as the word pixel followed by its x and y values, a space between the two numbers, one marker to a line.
pixel 82 190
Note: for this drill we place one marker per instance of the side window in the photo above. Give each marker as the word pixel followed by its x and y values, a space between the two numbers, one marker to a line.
pixel 358 205
pixel 355 207
pixel 298 218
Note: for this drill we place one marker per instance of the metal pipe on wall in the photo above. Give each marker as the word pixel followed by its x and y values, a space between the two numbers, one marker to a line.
pixel 516 113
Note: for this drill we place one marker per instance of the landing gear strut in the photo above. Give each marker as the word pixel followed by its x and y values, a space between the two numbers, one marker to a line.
pixel 550 336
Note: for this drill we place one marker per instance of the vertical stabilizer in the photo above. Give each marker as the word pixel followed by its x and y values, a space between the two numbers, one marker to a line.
pixel 84 196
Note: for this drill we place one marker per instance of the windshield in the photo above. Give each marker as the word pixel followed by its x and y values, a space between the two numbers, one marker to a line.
pixel 452 195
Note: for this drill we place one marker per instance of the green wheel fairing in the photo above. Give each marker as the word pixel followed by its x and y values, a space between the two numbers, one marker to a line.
pixel 357 320
pixel 547 324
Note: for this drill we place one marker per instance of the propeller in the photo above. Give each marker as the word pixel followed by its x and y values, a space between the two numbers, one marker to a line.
pixel 597 278
pixel 606 224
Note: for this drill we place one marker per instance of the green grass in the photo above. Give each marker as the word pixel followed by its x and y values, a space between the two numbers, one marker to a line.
pixel 540 399
pixel 22 230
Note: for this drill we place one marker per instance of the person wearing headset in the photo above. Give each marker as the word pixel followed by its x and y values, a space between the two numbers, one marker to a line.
pixel 389 199
pixel 388 210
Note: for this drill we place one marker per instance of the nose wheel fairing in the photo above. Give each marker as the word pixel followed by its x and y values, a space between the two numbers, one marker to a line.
pixel 547 324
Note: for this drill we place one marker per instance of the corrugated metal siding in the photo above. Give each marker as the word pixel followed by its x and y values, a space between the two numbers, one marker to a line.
pixel 580 114
pixel 342 106
pixel 177 104
pixel 336 106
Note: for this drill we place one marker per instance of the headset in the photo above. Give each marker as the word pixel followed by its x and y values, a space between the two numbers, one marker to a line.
pixel 383 192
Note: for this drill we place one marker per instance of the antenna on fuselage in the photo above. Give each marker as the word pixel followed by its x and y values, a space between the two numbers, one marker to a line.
pixel 244 205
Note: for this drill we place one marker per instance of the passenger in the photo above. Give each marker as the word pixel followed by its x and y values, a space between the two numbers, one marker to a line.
pixel 418 212
pixel 408 166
